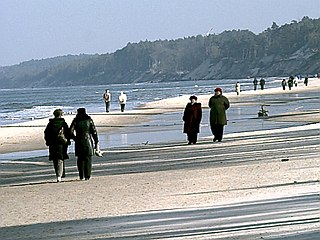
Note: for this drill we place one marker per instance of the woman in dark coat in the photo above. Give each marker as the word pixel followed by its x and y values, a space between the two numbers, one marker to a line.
pixel 84 133
pixel 57 145
pixel 192 117
pixel 218 105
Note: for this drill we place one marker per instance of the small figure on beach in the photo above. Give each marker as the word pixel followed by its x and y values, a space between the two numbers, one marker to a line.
pixel 237 88
pixel 255 84
pixel 122 101
pixel 290 82
pixel 295 82
pixel 305 81
pixel 107 99
pixel 192 117
pixel 218 105
pixel 262 83
pixel 284 84
pixel 57 137
pixel 84 133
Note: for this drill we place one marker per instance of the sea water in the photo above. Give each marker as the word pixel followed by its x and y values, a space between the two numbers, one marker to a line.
pixel 20 105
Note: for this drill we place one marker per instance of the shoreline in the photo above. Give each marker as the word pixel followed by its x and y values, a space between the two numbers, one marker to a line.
pixel 28 136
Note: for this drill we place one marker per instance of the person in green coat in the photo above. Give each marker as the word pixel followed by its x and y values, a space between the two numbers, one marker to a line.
pixel 218 105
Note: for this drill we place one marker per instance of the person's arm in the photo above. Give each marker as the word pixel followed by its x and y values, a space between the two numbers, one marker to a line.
pixel 94 134
pixel 226 103
pixel 47 134
pixel 67 133
pixel 199 113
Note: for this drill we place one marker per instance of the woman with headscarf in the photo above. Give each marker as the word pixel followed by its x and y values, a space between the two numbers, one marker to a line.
pixel 192 117
pixel 57 138
pixel 218 105
pixel 84 133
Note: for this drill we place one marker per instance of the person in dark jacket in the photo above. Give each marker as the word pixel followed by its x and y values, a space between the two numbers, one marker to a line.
pixel 84 133
pixel 218 105
pixel 283 84
pixel 192 117
pixel 57 137
pixel 262 83
pixel 255 84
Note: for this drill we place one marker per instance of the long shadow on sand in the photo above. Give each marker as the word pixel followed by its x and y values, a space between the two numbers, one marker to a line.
pixel 233 221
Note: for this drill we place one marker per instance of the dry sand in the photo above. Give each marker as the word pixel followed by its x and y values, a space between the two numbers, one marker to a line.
pixel 141 192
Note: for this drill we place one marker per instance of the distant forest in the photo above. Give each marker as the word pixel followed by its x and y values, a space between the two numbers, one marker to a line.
pixel 284 50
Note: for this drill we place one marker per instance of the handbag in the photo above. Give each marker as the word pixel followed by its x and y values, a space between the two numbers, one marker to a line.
pixel 61 137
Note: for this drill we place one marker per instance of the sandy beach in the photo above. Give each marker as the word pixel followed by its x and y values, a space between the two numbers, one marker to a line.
pixel 253 185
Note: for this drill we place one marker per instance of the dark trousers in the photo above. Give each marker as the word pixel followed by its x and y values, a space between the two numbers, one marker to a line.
pixel 107 106
pixel 84 166
pixel 122 107
pixel 217 131
pixel 192 137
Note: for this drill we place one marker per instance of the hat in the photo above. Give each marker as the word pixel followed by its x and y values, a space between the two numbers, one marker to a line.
pixel 218 90
pixel 193 97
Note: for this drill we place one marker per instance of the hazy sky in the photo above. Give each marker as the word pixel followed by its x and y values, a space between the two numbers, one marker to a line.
pixel 36 29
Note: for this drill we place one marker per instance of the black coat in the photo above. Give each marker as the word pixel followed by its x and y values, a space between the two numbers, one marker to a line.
pixel 57 148
pixel 192 117
pixel 85 135
pixel 218 105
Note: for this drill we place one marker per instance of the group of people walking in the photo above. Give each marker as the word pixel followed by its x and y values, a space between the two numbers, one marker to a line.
pixel 58 137
pixel 262 83
pixel 293 82
pixel 122 100
pixel 58 134
pixel 192 116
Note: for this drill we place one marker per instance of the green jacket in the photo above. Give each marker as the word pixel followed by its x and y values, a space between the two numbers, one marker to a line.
pixel 218 105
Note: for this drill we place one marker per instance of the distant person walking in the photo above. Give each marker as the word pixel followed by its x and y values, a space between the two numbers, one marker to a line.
pixel 283 84
pixel 237 88
pixel 107 99
pixel 305 81
pixel 255 84
pixel 57 137
pixel 295 82
pixel 122 101
pixel 262 83
pixel 192 117
pixel 84 133
pixel 290 82
pixel 218 105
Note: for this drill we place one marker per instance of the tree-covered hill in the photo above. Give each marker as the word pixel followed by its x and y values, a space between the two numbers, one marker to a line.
pixel 278 51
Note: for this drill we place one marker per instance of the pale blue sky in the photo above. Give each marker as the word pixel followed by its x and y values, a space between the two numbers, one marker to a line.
pixel 36 29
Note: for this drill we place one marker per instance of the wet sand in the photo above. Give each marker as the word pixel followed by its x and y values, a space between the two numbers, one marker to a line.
pixel 261 184
pixel 29 135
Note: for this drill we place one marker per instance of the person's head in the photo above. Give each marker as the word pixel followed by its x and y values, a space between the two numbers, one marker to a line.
pixel 217 91
pixel 193 99
pixel 57 113
pixel 81 111
pixel 107 90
